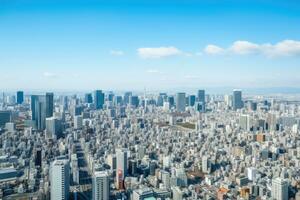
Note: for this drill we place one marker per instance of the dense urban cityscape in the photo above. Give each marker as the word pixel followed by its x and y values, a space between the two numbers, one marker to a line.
pixel 143 146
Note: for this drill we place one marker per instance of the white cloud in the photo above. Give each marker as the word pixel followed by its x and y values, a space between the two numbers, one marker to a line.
pixel 152 71
pixel 116 53
pixel 283 48
pixel 213 49
pixel 49 75
pixel 244 47
pixel 191 77
pixel 158 52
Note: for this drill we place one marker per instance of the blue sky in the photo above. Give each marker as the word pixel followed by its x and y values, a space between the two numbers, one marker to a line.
pixel 84 45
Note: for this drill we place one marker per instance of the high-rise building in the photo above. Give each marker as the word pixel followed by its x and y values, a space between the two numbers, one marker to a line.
pixel 180 102
pixel 237 102
pixel 171 101
pixel 121 155
pixel 41 108
pixel 206 165
pixel 78 122
pixel 98 99
pixel 192 100
pixel 134 101
pixel 49 104
pixel 88 98
pixel 100 185
pixel 38 157
pixel 279 189
pixel 201 96
pixel 5 116
pixel 53 128
pixel 127 96
pixel 20 97
pixel 33 99
pixel 60 180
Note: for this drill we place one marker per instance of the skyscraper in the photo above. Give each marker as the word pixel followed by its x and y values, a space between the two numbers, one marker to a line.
pixel 192 99
pixel 88 98
pixel 121 155
pixel 60 180
pixel 237 99
pixel 98 99
pixel 33 99
pixel 100 185
pixel 180 102
pixel 134 101
pixel 53 128
pixel 127 96
pixel 20 97
pixel 41 108
pixel 279 189
pixel 201 98
pixel 49 104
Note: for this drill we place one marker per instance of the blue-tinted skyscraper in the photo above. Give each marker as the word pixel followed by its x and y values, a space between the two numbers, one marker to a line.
pixel 134 101
pixel 41 108
pixel 201 99
pixel 88 98
pixel 127 96
pixel 98 99
pixel 192 100
pixel 49 104
pixel 20 97
pixel 237 99
pixel 180 102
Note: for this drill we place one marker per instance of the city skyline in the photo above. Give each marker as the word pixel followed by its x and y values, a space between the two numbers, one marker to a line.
pixel 132 45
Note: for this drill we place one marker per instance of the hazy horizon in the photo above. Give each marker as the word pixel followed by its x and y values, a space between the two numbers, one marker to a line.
pixel 149 44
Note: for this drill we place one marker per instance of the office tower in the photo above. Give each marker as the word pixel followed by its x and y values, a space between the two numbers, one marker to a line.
pixel 60 180
pixel 110 96
pixel 251 173
pixel 181 177
pixel 98 99
pixel 41 108
pixel 206 165
pixel 78 122
pixel 40 112
pixel 100 183
pixel 228 100
pixel 5 116
pixel 49 104
pixel 53 128
pixel 75 168
pixel 199 106
pixel 134 101
pixel 38 157
pixel 118 100
pixel 180 102
pixel 33 100
pixel 192 100
pixel 171 101
pixel 127 96
pixel 245 123
pixel 237 102
pixel 165 178
pixel 20 97
pixel 121 155
pixel 88 98
pixel 279 189
pixel 201 96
